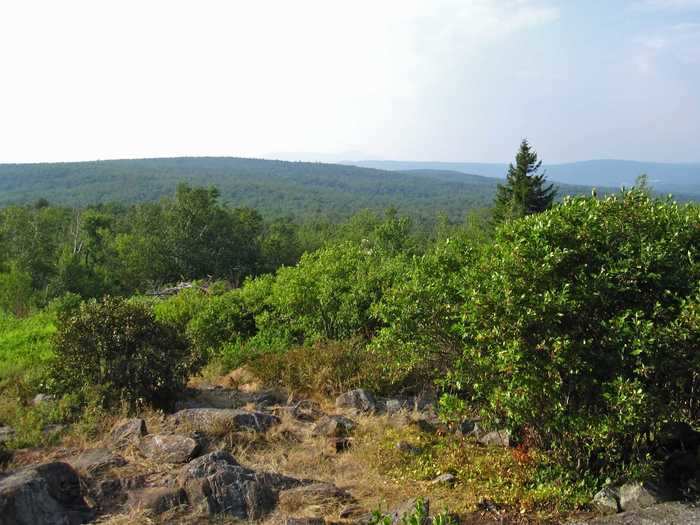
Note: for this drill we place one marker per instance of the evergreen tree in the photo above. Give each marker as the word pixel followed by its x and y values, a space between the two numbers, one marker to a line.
pixel 524 192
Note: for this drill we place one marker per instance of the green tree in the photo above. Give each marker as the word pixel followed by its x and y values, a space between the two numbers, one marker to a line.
pixel 524 192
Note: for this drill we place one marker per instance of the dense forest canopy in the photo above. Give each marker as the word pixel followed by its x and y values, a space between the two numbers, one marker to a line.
pixel 274 188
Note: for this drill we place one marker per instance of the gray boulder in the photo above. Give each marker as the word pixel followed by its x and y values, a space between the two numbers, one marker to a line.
pixel 607 501
pixel 359 399
pixel 499 438
pixel 204 418
pixel 674 513
pixel 444 479
pixel 169 448
pixel 6 433
pixel 128 431
pixel 95 461
pixel 333 426
pixel 640 495
pixel 47 494
pixel 215 483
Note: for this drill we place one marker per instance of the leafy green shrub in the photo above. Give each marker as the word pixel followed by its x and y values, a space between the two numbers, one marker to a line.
pixel 224 319
pixel 179 309
pixel 330 293
pixel 581 327
pixel 421 313
pixel 120 348
pixel 16 291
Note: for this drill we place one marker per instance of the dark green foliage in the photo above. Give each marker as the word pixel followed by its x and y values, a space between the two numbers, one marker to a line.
pixel 580 327
pixel 274 188
pixel 224 320
pixel 524 192
pixel 120 348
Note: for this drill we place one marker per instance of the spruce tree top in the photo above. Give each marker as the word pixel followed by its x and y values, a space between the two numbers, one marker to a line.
pixel 524 192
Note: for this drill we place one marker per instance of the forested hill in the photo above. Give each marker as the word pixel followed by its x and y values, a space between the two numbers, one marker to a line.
pixel 682 180
pixel 275 188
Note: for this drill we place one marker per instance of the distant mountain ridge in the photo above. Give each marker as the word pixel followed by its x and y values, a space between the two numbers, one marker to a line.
pixel 682 178
pixel 276 188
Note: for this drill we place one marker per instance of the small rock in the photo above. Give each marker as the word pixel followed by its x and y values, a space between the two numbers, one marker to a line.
pixel 169 448
pixel 499 438
pixel 407 448
pixel 6 433
pixel 239 419
pixel 156 499
pixel 47 494
pixel 338 445
pixel 359 399
pixel 128 431
pixel 409 508
pixel 41 398
pixel 319 495
pixel 333 426
pixel 469 427
pixel 355 513
pixel 640 495
pixel 607 501
pixel 96 461
pixel 444 479
pixel 394 405
pixel 51 430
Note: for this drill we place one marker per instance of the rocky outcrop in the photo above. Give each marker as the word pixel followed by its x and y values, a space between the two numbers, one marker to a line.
pixel 238 419
pixel 673 513
pixel 333 426
pixel 47 494
pixel 640 495
pixel 359 399
pixel 216 483
pixel 169 448
pixel 127 431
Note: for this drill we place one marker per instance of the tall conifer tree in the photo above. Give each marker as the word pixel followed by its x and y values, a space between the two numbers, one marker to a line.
pixel 525 191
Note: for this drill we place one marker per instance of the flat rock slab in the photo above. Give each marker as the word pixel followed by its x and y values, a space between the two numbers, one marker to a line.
pixel 95 461
pixel 46 494
pixel 169 448
pixel 156 499
pixel 672 513
pixel 204 418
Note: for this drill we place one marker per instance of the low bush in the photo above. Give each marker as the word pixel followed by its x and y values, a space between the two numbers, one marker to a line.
pixel 120 348
pixel 581 330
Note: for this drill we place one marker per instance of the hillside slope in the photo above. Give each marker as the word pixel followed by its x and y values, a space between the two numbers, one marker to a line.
pixel 274 187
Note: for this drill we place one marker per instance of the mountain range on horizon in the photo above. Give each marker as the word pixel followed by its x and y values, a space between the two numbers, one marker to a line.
pixel 676 178
pixel 295 188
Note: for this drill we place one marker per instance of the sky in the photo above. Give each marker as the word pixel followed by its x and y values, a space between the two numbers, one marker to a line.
pixel 438 80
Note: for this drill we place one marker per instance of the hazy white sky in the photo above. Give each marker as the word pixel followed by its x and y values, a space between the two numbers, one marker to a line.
pixel 394 79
